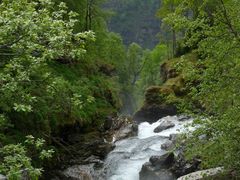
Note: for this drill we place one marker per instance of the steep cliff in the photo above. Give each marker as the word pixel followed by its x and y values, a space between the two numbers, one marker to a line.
pixel 163 100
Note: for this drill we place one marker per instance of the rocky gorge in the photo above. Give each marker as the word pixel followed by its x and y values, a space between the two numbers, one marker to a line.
pixel 146 147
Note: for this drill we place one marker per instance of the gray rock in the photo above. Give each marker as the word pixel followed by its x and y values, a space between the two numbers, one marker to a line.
pixel 202 174
pixel 152 113
pixel 163 174
pixel 174 137
pixel 158 168
pixel 167 146
pixel 183 118
pixel 163 126
pixel 82 172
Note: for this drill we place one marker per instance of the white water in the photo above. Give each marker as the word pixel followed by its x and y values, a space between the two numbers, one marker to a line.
pixel 126 160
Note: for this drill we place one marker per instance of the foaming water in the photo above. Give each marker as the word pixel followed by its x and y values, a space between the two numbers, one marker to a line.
pixel 126 160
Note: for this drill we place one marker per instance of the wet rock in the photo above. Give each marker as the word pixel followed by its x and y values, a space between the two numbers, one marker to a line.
pixel 158 175
pixel 83 172
pixel 155 105
pixel 183 118
pixel 174 137
pixel 182 166
pixel 163 126
pixel 158 168
pixel 161 162
pixel 125 132
pixel 172 163
pixel 167 146
pixel 154 112
pixel 122 127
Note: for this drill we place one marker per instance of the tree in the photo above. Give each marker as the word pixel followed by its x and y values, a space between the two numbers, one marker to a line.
pixel 213 32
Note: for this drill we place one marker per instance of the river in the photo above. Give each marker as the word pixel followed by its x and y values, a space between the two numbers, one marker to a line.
pixel 126 160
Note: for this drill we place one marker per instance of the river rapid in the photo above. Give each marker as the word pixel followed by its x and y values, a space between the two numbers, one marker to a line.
pixel 126 160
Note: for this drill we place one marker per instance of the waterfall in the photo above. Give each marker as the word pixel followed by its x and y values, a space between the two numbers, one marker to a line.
pixel 126 160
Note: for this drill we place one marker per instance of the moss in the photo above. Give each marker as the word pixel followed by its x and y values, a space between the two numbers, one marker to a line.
pixel 157 94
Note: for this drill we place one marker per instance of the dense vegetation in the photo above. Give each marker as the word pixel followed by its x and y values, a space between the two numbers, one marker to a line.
pixel 135 20
pixel 211 29
pixel 61 67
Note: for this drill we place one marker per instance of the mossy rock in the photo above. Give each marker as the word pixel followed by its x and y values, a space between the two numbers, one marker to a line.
pixel 177 85
pixel 157 94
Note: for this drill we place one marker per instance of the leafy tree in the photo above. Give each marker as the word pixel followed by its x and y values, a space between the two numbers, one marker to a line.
pixel 16 159
pixel 214 33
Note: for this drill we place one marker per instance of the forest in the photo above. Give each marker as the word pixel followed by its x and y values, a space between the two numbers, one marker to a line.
pixel 79 77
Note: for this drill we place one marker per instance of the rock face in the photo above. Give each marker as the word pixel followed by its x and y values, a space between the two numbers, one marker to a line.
pixel 169 166
pixel 163 126
pixel 161 101
pixel 155 105
pixel 90 149
pixel 158 168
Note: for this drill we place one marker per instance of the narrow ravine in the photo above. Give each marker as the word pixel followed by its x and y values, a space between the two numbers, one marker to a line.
pixel 126 160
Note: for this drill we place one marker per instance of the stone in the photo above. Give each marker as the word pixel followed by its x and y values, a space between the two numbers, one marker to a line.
pixel 154 112
pixel 183 118
pixel 202 174
pixel 158 168
pixel 167 146
pixel 163 126
pixel 158 175
pixel 108 123
pixel 164 161
pixel 155 105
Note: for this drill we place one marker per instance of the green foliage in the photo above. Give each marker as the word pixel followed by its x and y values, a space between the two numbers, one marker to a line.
pixel 36 35
pixel 16 158
pixel 50 77
pixel 135 20
pixel 214 32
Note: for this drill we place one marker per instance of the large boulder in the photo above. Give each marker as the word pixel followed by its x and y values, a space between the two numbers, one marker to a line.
pixel 169 166
pixel 203 174
pixel 154 112
pixel 163 126
pixel 158 168
pixel 155 105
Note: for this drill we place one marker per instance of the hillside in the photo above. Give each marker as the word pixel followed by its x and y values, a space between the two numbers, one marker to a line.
pixel 135 21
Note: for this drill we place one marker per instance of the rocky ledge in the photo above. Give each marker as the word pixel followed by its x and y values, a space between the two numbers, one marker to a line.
pixel 90 150
pixel 169 166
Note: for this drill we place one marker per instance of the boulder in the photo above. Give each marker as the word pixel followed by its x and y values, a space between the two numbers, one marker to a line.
pixel 183 118
pixel 158 168
pixel 157 175
pixel 125 132
pixel 202 174
pixel 82 172
pixel 154 112
pixel 163 126
pixel 171 165
pixel 167 146
pixel 155 105
pixel 161 162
